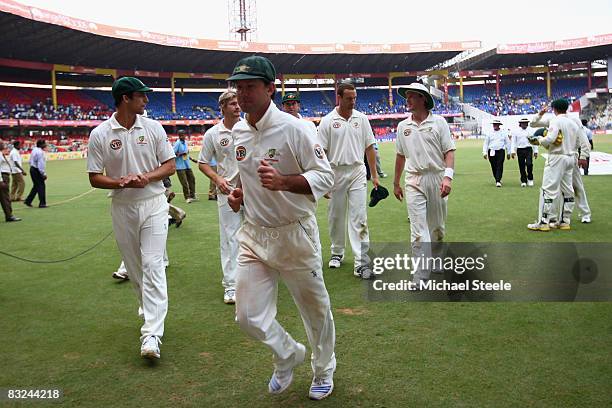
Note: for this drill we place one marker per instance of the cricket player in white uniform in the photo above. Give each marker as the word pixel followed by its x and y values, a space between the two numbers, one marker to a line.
pixel 580 197
pixel 345 135
pixel 283 173
pixel 218 144
pixel 130 155
pixel 292 105
pixel 426 151
pixel 496 148
pixel 524 152
pixel 562 141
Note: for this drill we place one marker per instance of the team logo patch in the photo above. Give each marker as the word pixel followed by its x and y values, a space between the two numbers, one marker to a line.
pixel 356 125
pixel 116 144
pixel 240 153
pixel 141 140
pixel 407 132
pixel 318 150
pixel 271 153
pixel 224 142
pixel 336 125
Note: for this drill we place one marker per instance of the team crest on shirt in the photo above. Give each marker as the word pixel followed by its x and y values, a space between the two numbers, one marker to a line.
pixel 356 125
pixel 224 142
pixel 407 132
pixel 141 140
pixel 271 153
pixel 116 144
pixel 240 153
pixel 336 125
pixel 318 150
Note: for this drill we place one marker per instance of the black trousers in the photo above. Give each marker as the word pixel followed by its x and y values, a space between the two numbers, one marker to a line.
pixel 38 187
pixel 497 164
pixel 525 163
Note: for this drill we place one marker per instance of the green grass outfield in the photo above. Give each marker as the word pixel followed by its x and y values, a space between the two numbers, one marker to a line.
pixel 70 325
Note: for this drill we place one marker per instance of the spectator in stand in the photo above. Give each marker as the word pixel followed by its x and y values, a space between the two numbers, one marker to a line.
pixel 38 174
pixel 17 173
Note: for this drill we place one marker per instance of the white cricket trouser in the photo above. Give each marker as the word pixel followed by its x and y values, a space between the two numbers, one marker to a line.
pixel 427 212
pixel 141 229
pixel 293 253
pixel 350 190
pixel 580 198
pixel 229 224
pixel 123 270
pixel 557 184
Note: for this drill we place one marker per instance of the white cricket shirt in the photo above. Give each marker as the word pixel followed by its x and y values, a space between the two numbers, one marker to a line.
pixel 344 140
pixel 290 146
pixel 424 145
pixel 116 151
pixel 218 144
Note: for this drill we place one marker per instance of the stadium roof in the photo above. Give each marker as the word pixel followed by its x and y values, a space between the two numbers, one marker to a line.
pixel 38 35
pixel 542 53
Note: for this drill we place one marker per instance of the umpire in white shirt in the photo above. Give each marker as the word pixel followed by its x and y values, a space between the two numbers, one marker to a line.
pixel 524 151
pixel 496 149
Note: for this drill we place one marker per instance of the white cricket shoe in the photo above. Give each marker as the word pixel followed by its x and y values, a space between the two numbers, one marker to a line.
pixel 539 226
pixel 564 226
pixel 363 272
pixel 281 379
pixel 530 183
pixel 229 297
pixel 586 219
pixel 523 184
pixel 335 261
pixel 321 388
pixel 150 347
pixel 121 275
pixel 498 184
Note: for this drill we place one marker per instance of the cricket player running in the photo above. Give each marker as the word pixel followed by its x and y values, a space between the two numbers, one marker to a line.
pixel 426 151
pixel 218 145
pixel 283 173
pixel 582 152
pixel 345 135
pixel 562 141
pixel 130 155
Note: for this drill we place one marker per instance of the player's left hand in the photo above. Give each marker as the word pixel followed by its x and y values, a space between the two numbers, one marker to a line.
pixel 270 177
pixel 508 157
pixel 445 187
pixel 582 163
pixel 375 181
pixel 535 155
pixel 134 181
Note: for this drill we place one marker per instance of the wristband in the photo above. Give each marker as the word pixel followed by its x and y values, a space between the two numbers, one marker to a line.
pixel 449 172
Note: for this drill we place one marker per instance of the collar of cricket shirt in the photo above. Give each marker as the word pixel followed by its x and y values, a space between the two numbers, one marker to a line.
pixel 429 118
pixel 266 119
pixel 116 125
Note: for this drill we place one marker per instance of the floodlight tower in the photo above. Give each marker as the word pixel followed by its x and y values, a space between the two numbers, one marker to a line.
pixel 243 20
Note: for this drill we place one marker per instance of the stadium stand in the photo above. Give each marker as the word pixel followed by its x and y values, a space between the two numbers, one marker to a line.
pixel 519 98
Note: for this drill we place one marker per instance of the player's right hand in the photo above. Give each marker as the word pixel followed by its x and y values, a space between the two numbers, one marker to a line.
pixel 234 199
pixel 399 193
pixel 223 185
pixel 484 156
pixel 513 155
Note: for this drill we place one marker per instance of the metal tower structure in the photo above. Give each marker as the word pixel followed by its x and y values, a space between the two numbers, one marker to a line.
pixel 242 20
